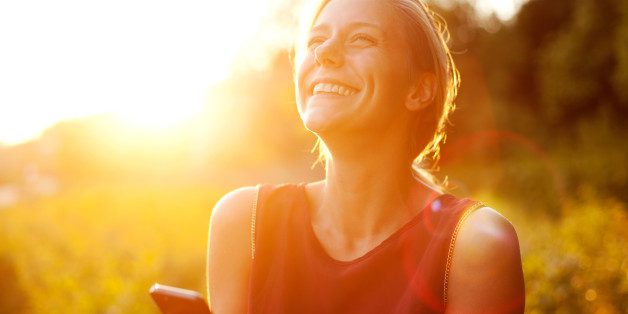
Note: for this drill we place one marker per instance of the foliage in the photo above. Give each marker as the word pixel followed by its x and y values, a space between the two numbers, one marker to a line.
pixel 575 263
pixel 547 92
pixel 578 264
pixel 98 249
pixel 577 69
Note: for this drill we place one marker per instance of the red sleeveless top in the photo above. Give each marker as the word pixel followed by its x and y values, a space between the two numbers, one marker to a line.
pixel 406 273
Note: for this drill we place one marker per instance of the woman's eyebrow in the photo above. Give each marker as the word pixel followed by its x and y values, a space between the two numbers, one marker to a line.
pixel 319 28
pixel 374 29
pixel 365 24
pixel 351 26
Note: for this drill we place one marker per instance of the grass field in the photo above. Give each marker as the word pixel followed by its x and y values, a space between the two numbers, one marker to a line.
pixel 98 249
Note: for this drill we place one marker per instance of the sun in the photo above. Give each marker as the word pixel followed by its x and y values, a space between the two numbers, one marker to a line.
pixel 150 63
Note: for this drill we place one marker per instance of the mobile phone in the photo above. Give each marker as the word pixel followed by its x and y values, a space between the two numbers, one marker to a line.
pixel 173 300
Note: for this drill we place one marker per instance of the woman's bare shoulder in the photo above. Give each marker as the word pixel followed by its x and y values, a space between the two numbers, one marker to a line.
pixel 487 231
pixel 229 258
pixel 235 206
pixel 230 225
pixel 486 272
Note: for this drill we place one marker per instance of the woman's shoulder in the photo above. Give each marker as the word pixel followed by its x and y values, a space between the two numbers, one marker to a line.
pixel 486 257
pixel 235 206
pixel 230 221
pixel 484 233
pixel 228 259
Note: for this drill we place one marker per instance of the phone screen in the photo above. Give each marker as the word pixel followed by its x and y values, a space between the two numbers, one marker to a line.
pixel 173 300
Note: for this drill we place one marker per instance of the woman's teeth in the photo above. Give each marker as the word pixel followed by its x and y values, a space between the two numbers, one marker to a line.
pixel 332 89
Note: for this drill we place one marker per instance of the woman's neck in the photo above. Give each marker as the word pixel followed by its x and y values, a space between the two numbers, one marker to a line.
pixel 368 195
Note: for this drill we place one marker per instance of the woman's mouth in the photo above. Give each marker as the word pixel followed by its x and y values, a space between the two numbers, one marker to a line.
pixel 334 89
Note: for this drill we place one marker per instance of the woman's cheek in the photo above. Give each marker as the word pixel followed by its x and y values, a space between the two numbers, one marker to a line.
pixel 304 68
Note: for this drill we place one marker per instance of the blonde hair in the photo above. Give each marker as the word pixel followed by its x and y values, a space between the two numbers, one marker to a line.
pixel 428 40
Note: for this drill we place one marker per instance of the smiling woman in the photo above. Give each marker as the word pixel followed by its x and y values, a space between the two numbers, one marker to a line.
pixel 375 82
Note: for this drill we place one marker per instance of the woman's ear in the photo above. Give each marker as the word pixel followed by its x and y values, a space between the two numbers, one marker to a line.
pixel 422 93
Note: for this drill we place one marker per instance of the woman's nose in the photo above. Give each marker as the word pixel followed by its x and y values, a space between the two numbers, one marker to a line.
pixel 329 54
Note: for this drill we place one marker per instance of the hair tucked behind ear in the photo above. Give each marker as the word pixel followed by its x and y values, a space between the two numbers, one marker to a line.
pixel 428 37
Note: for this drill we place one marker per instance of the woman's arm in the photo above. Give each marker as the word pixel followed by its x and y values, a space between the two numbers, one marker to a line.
pixel 486 274
pixel 228 252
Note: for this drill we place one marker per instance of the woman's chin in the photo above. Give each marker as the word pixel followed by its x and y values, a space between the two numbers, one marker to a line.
pixel 317 122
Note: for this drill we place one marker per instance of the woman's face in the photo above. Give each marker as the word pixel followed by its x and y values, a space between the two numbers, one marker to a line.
pixel 354 73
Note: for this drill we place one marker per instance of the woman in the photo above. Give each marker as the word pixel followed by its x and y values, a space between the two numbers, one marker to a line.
pixel 375 82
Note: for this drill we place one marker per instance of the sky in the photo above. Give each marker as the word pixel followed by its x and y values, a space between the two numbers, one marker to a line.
pixel 504 9
pixel 149 62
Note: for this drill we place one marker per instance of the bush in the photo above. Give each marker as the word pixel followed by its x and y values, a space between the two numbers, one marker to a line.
pixel 578 263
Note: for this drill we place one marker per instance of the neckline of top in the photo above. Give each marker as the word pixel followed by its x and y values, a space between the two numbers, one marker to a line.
pixel 397 233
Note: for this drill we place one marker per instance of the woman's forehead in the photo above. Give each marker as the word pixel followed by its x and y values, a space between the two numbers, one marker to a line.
pixel 376 13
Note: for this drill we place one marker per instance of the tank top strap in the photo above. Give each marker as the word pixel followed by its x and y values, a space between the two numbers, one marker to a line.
pixel 444 219
pixel 469 207
pixel 270 211
pixel 276 216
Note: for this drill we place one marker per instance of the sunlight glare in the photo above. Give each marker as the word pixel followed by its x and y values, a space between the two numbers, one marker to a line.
pixel 149 62
pixel 503 9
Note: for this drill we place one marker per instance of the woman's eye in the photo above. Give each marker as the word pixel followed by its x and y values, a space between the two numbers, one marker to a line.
pixel 314 42
pixel 363 39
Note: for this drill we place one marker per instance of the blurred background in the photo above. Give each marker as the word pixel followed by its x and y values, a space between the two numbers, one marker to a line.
pixel 123 122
